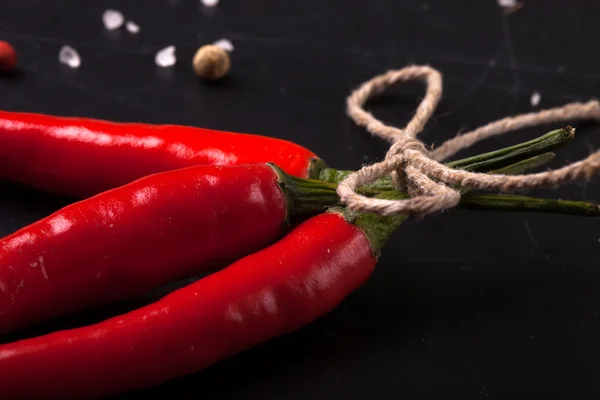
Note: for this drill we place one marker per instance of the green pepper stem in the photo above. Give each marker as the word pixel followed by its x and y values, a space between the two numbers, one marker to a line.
pixel 506 202
pixel 486 162
pixel 305 196
pixel 527 164
pixel 312 196
pixel 510 155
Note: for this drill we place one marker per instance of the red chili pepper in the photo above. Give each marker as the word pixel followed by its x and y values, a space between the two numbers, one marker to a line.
pixel 83 157
pixel 157 229
pixel 267 294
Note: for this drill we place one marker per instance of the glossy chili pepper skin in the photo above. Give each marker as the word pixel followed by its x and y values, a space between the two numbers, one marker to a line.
pixel 128 240
pixel 267 294
pixel 82 157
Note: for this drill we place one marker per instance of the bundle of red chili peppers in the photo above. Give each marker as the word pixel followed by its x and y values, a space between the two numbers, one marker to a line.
pixel 172 202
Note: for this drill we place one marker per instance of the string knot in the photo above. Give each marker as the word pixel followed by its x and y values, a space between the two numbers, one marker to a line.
pixel 403 144
pixel 400 155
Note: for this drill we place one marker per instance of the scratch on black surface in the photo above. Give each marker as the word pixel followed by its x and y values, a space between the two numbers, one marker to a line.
pixel 477 375
pixel 16 94
pixel 364 62
pixel 388 23
pixel 484 62
pixel 442 260
pixel 504 88
pixel 409 6
pixel 512 59
pixel 260 39
pixel 101 51
pixel 39 39
pixel 533 69
pixel 315 47
pixel 337 378
pixel 107 98
pixel 432 19
pixel 431 336
pixel 428 58
pixel 386 15
pixel 477 83
pixel 304 22
pixel 533 241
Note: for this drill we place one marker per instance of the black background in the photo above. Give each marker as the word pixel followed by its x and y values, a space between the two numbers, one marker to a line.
pixel 462 305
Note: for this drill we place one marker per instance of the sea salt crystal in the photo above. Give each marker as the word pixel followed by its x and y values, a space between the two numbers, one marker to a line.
pixel 69 56
pixel 210 3
pixel 132 27
pixel 536 97
pixel 166 57
pixel 113 19
pixel 507 3
pixel 225 44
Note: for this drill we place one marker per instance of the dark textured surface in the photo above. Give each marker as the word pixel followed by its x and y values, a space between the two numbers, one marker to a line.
pixel 463 305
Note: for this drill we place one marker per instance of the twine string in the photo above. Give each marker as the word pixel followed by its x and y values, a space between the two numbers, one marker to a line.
pixel 414 167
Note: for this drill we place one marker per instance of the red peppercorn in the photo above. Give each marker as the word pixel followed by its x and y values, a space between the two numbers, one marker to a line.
pixel 8 57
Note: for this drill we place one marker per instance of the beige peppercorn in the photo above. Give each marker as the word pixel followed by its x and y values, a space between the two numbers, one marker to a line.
pixel 211 62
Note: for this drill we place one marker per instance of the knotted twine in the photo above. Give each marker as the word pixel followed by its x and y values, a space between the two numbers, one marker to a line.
pixel 418 170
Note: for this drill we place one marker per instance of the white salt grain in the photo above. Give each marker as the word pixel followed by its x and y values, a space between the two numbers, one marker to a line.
pixel 210 3
pixel 536 97
pixel 69 56
pixel 132 27
pixel 166 57
pixel 113 19
pixel 507 3
pixel 225 44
